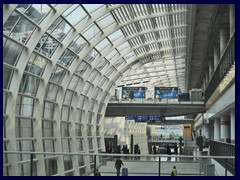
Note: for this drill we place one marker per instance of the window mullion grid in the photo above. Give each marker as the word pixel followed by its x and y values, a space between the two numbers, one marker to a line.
pixel 54 38
pixel 68 22
pixel 27 18
pixel 53 8
pixel 15 41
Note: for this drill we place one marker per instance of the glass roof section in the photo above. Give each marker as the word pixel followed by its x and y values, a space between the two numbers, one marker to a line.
pixel 157 34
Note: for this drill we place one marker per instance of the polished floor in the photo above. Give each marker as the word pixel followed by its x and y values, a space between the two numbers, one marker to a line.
pixel 150 167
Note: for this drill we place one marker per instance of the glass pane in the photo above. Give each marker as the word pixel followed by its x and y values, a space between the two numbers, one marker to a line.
pixel 75 14
pixel 48 111
pixel 105 21
pixel 24 106
pixel 73 83
pixel 81 68
pixel 78 130
pixel 116 35
pixel 90 31
pixel 47 129
pixel 68 98
pixel 24 128
pixel 77 44
pixel 47 46
pixel 92 7
pixel 57 75
pixel 37 11
pixel 23 31
pixel 111 55
pixel 65 113
pixel 67 58
pixel 101 64
pixel 102 45
pixel 10 23
pixel 80 114
pixel 94 74
pixel 7 77
pixel 11 52
pixel 52 92
pixel 29 84
pixel 65 133
pixel 36 64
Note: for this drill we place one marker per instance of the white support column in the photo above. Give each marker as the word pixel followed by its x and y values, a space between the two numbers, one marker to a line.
pixel 207 77
pixel 216 129
pixel 223 40
pixel 225 128
pixel 216 56
pixel 210 65
pixel 232 18
pixel 232 126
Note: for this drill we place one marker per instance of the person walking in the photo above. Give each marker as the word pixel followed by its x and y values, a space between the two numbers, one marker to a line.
pixel 118 165
pixel 97 173
pixel 174 171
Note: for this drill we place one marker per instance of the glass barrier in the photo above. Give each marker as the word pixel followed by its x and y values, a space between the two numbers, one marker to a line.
pixel 85 164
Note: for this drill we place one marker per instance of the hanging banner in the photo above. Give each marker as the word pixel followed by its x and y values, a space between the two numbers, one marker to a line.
pixel 166 92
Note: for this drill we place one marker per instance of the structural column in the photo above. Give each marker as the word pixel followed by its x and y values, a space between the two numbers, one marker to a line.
pixel 216 56
pixel 216 125
pixel 232 18
pixel 223 40
pixel 233 126
pixel 210 64
pixel 225 128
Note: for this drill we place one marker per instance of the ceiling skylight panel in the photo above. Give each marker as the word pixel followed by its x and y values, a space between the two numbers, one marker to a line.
pixel 129 55
pixel 121 10
pixel 118 15
pixel 127 12
pixel 133 28
pixel 111 54
pixel 105 21
pixel 102 45
pixel 75 14
pixel 127 31
pixel 70 10
pixel 116 35
pixel 138 40
pixel 123 46
pixel 91 31
pixel 119 62
pixel 92 7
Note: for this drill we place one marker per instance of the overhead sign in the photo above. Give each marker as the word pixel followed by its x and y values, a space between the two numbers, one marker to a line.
pixel 148 119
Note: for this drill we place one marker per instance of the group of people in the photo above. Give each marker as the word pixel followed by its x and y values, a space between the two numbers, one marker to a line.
pixel 118 164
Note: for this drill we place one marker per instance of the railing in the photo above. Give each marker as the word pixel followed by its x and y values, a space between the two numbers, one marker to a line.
pixel 155 101
pixel 224 149
pixel 154 165
pixel 225 63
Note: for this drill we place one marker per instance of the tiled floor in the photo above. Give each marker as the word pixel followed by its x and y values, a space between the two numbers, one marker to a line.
pixel 150 167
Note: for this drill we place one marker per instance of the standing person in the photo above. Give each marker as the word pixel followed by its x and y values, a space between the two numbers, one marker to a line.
pixel 154 150
pixel 176 149
pixel 97 173
pixel 118 165
pixel 174 171
pixel 168 152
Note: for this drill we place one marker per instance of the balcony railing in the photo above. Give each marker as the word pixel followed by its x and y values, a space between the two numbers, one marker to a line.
pixel 223 149
pixel 141 165
pixel 225 63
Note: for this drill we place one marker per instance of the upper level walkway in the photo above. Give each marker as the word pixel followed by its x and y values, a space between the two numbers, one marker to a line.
pixel 167 107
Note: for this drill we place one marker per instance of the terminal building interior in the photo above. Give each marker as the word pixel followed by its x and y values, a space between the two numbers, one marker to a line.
pixel 86 84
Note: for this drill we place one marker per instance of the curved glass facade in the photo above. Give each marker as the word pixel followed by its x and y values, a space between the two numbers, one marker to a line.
pixel 62 63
